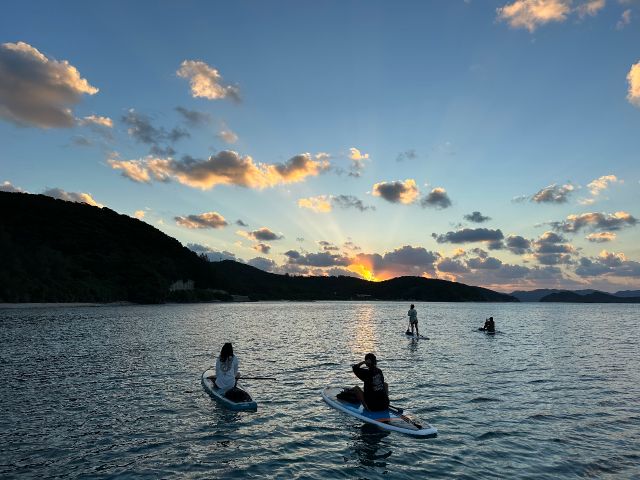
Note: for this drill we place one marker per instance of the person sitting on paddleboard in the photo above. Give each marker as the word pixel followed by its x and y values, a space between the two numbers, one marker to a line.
pixel 489 325
pixel 413 320
pixel 375 396
pixel 227 369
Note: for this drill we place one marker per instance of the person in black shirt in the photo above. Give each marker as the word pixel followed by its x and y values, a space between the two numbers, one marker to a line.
pixel 375 396
pixel 489 325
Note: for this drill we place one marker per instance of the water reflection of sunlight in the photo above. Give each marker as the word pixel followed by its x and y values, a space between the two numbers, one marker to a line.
pixel 365 338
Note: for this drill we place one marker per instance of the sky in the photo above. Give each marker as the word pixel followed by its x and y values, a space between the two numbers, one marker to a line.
pixel 494 143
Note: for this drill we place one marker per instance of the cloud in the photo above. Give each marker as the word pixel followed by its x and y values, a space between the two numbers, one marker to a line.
pixel 595 221
pixel 78 197
pixel 206 81
pixel 468 235
pixel 358 160
pixel 194 118
pixel 139 214
pixel 397 192
pixel 407 155
pixel 486 263
pixel 213 255
pixel 325 203
pixel 476 217
pixel 590 7
pixel 36 90
pixel 553 194
pixel 241 223
pixel 96 120
pixel 406 260
pixel 451 265
pixel 261 234
pixel 601 237
pixel 602 183
pixel 320 259
pixel 530 14
pixel 224 168
pixel 633 77
pixel 625 19
pixel 142 130
pixel 227 136
pixel 328 246
pixel 262 248
pixel 437 198
pixel 608 264
pixel 551 249
pixel 517 244
pixel 264 264
pixel 6 186
pixel 204 220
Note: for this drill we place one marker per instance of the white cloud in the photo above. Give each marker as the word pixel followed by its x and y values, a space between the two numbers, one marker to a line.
pixel 625 19
pixel 227 136
pixel 96 120
pixel 633 77
pixel 6 186
pixel 602 183
pixel 206 81
pixel 530 14
pixel 358 160
pixel 590 7
pixel 139 214
pixel 204 220
pixel 36 90
pixel 397 191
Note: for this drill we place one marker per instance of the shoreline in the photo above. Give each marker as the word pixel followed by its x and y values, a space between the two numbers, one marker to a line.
pixel 64 304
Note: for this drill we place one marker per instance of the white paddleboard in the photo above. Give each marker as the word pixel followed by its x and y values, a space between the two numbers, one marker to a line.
pixel 385 419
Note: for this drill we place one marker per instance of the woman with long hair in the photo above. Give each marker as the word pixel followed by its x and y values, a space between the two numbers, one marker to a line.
pixel 226 368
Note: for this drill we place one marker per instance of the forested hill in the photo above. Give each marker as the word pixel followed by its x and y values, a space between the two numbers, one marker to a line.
pixel 57 251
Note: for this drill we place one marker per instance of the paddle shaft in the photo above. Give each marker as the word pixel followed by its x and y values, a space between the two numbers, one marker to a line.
pixel 247 378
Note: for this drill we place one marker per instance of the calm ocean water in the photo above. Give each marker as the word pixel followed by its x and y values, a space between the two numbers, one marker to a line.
pixel 115 391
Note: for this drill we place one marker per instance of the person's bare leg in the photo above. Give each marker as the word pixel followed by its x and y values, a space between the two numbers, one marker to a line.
pixel 417 333
pixel 360 394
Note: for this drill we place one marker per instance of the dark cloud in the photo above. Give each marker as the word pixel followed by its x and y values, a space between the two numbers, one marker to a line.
pixel 263 234
pixel 194 118
pixel 468 235
pixel 476 217
pixel 407 155
pixel 81 141
pixel 518 245
pixel 6 186
pixel 406 260
pixel 451 265
pixel 143 131
pixel 553 194
pixel 397 191
pixel 488 263
pixel 320 259
pixel 350 201
pixel 495 245
pixel 262 248
pixel 328 246
pixel 213 255
pixel 38 91
pixel 204 220
pixel 437 198
pixel 608 264
pixel 595 221
pixel 551 249
pixel 224 168
pixel 241 223
pixel 264 264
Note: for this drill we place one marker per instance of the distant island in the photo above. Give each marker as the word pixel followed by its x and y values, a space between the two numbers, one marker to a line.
pixel 577 296
pixel 59 251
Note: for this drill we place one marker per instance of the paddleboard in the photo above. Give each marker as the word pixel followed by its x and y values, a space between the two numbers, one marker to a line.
pixel 385 419
pixel 208 378
pixel 487 331
pixel 413 335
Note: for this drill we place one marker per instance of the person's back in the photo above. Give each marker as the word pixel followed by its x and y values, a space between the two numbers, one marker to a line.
pixel 375 390
pixel 489 325
pixel 226 368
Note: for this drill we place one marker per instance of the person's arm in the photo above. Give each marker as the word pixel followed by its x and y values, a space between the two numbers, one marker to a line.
pixel 236 362
pixel 361 373
pixel 218 367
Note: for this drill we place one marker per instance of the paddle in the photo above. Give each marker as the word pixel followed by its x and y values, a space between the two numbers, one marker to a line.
pixel 258 378
pixel 399 411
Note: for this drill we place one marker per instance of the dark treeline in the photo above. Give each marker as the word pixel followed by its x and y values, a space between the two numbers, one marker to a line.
pixel 57 251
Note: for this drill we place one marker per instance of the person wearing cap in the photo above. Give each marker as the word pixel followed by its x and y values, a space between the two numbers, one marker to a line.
pixel 375 396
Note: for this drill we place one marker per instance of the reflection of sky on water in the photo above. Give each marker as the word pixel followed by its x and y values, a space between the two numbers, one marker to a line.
pixel 364 338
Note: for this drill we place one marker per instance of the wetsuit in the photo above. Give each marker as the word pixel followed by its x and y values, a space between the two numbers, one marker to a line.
pixel 375 396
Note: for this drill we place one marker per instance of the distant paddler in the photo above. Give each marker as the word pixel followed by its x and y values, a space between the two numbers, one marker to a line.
pixel 413 321
pixel 489 326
